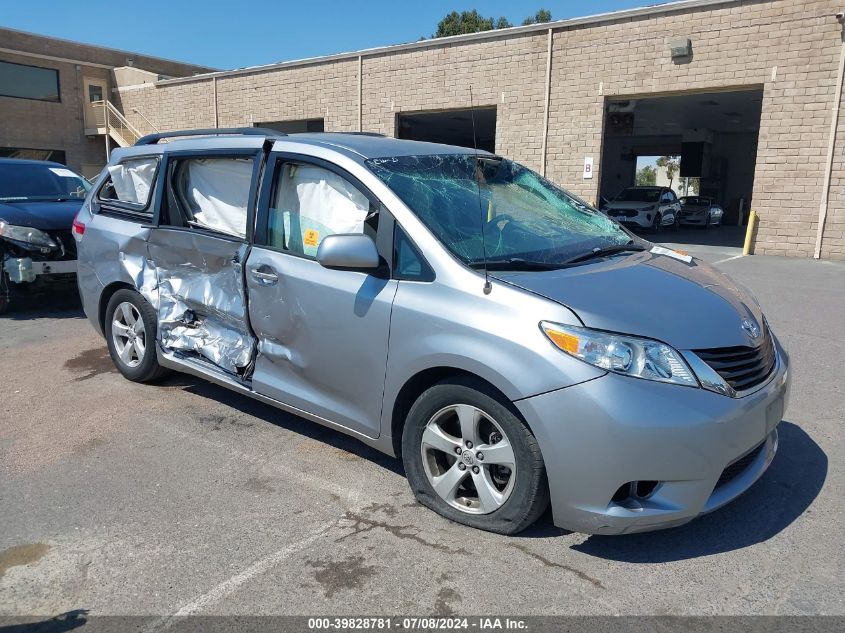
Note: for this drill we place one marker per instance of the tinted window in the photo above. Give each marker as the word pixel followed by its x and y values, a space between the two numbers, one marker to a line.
pixel 407 262
pixel 53 155
pixel 695 201
pixel 210 193
pixel 33 181
pixel 639 195
pixel 311 202
pixel 130 182
pixel 29 82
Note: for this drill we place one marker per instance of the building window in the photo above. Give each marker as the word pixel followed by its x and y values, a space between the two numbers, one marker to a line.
pixel 55 155
pixel 29 82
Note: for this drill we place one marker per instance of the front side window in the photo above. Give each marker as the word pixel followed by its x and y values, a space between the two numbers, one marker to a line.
pixel 29 82
pixel 490 209
pixel 25 181
pixel 210 193
pixel 130 182
pixel 310 202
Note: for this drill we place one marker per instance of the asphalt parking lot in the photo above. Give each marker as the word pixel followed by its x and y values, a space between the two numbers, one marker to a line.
pixel 184 498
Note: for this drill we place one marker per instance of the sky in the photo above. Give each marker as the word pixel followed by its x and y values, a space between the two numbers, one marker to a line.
pixel 233 34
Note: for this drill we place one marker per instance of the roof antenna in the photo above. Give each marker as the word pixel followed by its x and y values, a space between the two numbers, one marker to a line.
pixel 478 175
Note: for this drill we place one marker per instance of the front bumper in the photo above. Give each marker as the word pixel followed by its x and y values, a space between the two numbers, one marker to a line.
pixel 598 435
pixel 637 221
pixel 693 219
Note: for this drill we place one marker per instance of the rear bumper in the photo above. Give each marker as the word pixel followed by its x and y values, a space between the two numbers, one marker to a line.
pixel 601 434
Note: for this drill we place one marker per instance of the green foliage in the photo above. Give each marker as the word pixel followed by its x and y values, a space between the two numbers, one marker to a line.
pixel 473 22
pixel 542 16
pixel 671 164
pixel 647 176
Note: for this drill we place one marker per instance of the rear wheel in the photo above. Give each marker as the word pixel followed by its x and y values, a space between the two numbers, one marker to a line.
pixel 130 329
pixel 470 458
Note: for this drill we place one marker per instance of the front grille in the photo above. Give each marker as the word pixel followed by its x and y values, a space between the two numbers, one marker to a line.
pixel 742 367
pixel 736 468
pixel 628 213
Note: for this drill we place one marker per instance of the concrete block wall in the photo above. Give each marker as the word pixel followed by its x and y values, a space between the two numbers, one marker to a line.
pixel 790 48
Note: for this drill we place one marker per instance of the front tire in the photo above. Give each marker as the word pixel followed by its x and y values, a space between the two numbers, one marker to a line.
pixel 470 458
pixel 657 224
pixel 130 330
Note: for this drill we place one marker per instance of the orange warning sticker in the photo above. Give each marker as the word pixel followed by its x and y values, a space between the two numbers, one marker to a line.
pixel 311 238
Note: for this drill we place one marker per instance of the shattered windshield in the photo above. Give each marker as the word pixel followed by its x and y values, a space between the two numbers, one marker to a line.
pixel 524 216
pixel 35 181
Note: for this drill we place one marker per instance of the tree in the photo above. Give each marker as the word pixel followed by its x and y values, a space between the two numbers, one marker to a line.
pixel 467 22
pixel 473 22
pixel 541 17
pixel 647 176
pixel 671 164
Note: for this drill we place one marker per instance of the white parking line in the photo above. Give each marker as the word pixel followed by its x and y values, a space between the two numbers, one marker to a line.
pixel 230 585
pixel 727 259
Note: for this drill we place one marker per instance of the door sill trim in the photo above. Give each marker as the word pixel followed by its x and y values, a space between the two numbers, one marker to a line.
pixel 201 370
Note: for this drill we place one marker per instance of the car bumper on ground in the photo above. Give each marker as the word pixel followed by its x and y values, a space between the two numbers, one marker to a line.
pixel 27 270
pixel 703 449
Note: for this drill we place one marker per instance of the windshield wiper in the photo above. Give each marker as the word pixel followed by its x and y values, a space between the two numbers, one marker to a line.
pixel 607 250
pixel 515 263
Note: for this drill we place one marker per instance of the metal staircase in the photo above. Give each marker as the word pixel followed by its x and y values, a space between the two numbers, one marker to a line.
pixel 111 122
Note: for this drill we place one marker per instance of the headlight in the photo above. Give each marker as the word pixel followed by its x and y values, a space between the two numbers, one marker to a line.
pixel 25 234
pixel 628 355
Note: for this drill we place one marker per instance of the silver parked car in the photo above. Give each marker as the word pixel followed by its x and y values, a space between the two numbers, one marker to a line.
pixel 645 208
pixel 443 305
pixel 700 211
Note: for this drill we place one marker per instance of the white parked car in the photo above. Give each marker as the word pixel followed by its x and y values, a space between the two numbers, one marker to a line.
pixel 700 211
pixel 645 208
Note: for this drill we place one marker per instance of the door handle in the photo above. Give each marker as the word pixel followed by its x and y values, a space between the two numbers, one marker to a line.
pixel 264 277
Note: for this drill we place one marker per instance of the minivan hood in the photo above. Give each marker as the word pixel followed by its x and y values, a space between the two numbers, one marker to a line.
pixel 47 216
pixel 688 306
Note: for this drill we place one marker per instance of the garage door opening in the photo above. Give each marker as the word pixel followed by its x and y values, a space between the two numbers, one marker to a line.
pixel 452 127
pixel 294 126
pixel 702 145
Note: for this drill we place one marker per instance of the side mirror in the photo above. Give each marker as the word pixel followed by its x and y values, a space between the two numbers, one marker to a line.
pixel 348 252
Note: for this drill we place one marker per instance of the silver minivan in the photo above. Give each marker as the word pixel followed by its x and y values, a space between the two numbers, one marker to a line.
pixel 513 345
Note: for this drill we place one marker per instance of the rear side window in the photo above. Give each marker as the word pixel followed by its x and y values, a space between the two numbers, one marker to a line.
pixel 130 182
pixel 311 202
pixel 210 194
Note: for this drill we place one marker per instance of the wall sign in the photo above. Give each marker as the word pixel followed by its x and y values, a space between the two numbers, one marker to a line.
pixel 588 167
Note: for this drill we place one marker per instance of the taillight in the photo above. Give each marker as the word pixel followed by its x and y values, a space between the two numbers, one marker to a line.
pixel 78 229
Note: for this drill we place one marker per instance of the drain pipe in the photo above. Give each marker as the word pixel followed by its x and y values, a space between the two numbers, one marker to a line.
pixel 834 123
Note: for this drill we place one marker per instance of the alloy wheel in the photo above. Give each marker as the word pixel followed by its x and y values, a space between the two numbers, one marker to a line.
pixel 128 334
pixel 468 459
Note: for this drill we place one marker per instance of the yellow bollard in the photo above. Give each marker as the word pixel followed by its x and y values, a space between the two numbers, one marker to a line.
pixel 752 220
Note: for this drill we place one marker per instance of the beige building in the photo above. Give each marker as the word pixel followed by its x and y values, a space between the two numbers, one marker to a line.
pixel 747 92
pixel 48 86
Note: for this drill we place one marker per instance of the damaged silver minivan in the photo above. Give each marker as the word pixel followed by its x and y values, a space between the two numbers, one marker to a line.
pixel 513 345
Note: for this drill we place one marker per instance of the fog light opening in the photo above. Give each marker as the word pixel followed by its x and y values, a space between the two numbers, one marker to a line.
pixel 629 495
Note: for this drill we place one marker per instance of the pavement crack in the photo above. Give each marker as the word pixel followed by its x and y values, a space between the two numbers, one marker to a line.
pixel 547 563
pixel 361 523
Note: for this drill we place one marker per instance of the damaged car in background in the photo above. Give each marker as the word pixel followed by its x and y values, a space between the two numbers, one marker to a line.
pixel 38 202
pixel 444 305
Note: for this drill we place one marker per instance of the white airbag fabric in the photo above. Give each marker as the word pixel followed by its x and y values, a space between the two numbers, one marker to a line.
pixel 218 191
pixel 132 179
pixel 312 200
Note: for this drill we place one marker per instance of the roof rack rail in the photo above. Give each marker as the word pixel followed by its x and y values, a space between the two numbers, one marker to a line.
pixel 152 139
pixel 379 134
